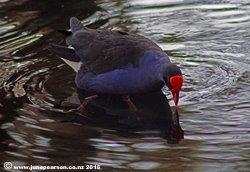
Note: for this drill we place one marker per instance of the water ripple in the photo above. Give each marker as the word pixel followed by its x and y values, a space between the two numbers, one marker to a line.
pixel 208 40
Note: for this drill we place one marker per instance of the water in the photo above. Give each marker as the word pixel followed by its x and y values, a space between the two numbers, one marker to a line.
pixel 210 40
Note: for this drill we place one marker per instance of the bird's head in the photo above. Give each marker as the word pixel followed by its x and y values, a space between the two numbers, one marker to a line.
pixel 174 81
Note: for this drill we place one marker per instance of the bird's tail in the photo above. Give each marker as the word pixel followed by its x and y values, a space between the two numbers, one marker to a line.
pixel 64 52
pixel 68 55
pixel 75 24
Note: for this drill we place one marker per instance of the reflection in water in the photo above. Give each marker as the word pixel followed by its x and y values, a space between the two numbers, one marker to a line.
pixel 208 39
pixel 154 114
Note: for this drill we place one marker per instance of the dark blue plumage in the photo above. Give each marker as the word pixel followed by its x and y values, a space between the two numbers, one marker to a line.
pixel 149 76
pixel 118 62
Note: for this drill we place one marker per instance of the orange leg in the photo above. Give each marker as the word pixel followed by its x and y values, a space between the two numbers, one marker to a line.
pixel 86 101
pixel 84 104
pixel 130 104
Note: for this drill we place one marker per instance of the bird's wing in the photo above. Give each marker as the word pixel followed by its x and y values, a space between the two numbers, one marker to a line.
pixel 106 50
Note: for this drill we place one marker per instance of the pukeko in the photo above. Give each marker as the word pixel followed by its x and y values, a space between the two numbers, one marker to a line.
pixel 117 62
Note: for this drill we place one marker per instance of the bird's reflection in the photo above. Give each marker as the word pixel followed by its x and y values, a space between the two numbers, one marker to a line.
pixel 110 112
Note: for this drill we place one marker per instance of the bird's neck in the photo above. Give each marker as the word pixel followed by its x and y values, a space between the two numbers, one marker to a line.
pixel 155 62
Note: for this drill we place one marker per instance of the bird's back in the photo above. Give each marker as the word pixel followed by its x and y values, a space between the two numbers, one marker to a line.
pixel 113 61
pixel 105 50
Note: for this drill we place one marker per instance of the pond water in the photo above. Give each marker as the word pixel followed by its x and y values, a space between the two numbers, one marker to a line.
pixel 209 39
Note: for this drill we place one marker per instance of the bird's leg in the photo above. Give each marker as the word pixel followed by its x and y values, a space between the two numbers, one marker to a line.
pixel 130 104
pixel 84 104
pixel 86 101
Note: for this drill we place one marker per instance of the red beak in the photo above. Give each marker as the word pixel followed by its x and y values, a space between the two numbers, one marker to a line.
pixel 176 84
pixel 175 97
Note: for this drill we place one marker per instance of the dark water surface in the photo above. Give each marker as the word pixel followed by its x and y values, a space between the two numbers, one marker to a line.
pixel 209 39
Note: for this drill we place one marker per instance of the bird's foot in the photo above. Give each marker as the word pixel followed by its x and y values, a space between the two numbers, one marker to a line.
pixel 82 107
pixel 130 104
